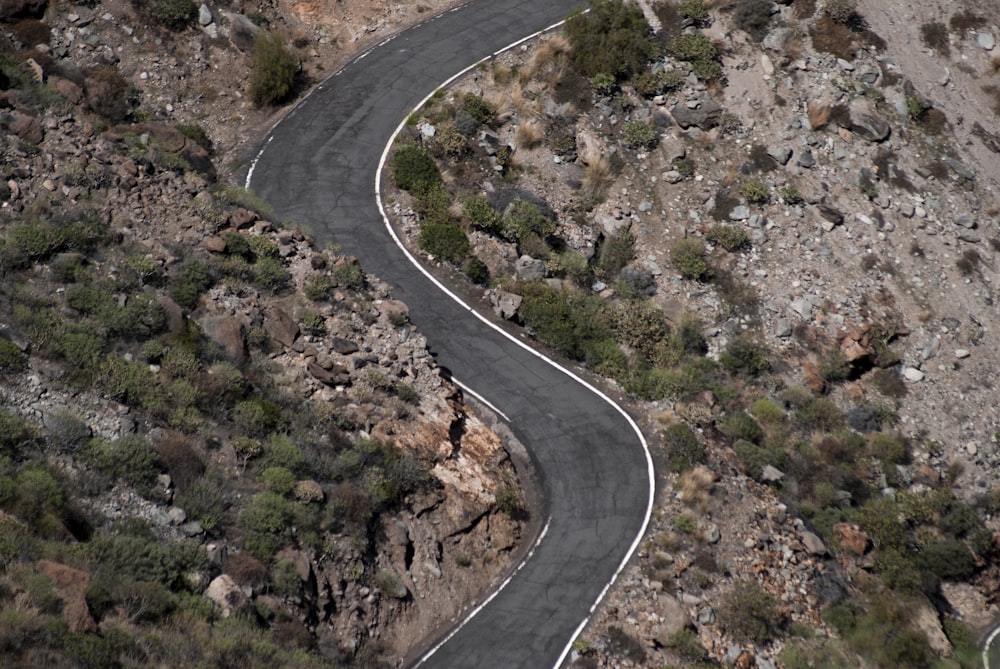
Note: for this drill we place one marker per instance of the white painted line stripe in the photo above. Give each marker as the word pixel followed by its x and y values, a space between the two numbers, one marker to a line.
pixel 642 440
pixel 480 398
pixel 472 614
pixel 986 647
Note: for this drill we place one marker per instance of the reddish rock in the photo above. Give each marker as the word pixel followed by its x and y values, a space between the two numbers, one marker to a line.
pixel 851 537
pixel 227 595
pixel 337 375
pixel 395 312
pixel 71 586
pixel 214 244
pixel 227 332
pixel 281 327
pixel 67 89
pixel 243 218
pixel 27 128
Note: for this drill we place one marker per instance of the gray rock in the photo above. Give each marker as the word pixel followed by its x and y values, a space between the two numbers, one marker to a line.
pixel 960 169
pixel 740 213
pixel 243 32
pixel 965 221
pixel 645 206
pixel 780 154
pixel 783 328
pixel 867 124
pixel 806 159
pixel 771 474
pixel 705 115
pixel 204 15
pixel 813 543
pixel 529 268
pixel 913 374
pixel 713 534
pixel 985 41
pixel 505 305
pixel 343 346
pixel 675 619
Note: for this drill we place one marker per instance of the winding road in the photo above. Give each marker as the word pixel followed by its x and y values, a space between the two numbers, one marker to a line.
pixel 319 167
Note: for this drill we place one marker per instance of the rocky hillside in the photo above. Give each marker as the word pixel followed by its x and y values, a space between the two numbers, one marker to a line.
pixel 221 442
pixel 776 225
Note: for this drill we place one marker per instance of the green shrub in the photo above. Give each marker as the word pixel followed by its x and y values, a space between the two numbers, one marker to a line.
pixel 317 287
pixel 750 613
pixel 692 47
pixel 949 560
pixel 696 10
pixel 349 276
pixel 173 14
pixel 244 197
pixel 267 525
pixel 755 191
pixel 414 170
pixel 743 355
pixel 683 448
pixel 603 83
pixel 614 253
pixel 135 552
pixel 272 70
pixel 740 425
pixel 270 274
pixel 791 195
pixel 278 480
pixel 256 416
pixel 197 134
pixel 767 411
pixel 688 256
pixel 130 383
pixel 755 458
pixel 613 38
pixel 730 237
pixel 11 357
pixel 640 135
pixel 686 643
pixel 522 218
pixel 280 451
pixel 482 111
pixel 130 458
pixel 570 322
pixel 650 84
pixel 481 215
pixel 193 278
pixel 476 270
pixel 446 241
pixel 204 500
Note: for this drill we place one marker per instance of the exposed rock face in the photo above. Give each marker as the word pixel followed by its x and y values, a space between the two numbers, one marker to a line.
pixel 71 586
pixel 867 124
pixel 851 537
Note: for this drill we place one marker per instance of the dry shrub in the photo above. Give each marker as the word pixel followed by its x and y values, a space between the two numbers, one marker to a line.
pixel 247 570
pixel 180 459
pixel 832 37
pixel 528 135
pixel 107 93
pixel 963 22
pixel 598 176
pixel 696 486
pixel 935 36
pixel 994 65
pixel 819 114
pixel 550 61
pixel 804 9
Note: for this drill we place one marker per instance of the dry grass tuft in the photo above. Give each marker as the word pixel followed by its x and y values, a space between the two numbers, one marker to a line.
pixel 549 64
pixel 696 487
pixel 598 176
pixel 994 65
pixel 529 135
pixel 819 114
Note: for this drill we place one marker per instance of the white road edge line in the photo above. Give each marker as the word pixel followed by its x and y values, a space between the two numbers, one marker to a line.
pixel 472 614
pixel 986 647
pixel 596 391
pixel 480 398
pixel 458 300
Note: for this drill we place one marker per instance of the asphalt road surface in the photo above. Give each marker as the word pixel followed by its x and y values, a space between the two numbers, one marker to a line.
pixel 318 168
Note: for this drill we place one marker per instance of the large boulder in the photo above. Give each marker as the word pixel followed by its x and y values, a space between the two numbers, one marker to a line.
pixel 675 619
pixel 243 32
pixel 704 114
pixel 865 123
pixel 281 327
pixel 170 140
pixel 227 596
pixel 227 332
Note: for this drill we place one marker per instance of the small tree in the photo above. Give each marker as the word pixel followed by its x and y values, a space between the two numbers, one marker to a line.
pixel 272 71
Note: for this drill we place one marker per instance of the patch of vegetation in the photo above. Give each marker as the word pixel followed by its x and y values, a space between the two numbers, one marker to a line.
pixel 689 257
pixel 683 448
pixel 753 17
pixel 640 135
pixel 272 70
pixel 613 38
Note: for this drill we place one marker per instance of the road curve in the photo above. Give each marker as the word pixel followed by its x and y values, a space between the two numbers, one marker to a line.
pixel 317 168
